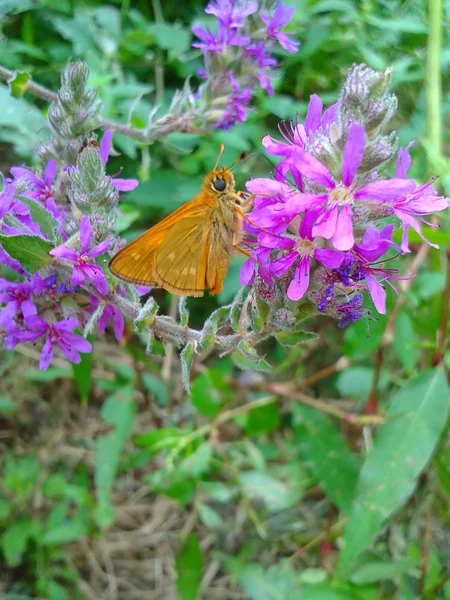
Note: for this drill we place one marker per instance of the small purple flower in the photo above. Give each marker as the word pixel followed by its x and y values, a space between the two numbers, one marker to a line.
pixel 109 313
pixel 421 200
pixel 350 311
pixel 299 254
pixel 83 266
pixel 236 110
pixel 40 189
pixel 231 13
pixel 295 134
pixel 10 206
pixel 332 209
pixel 17 297
pixel 280 18
pixel 123 185
pixel 71 344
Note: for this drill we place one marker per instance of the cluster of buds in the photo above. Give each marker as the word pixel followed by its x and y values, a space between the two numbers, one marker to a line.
pixel 325 222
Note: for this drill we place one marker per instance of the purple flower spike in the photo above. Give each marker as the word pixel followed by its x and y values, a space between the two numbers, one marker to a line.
pixel 123 185
pixel 59 333
pixel 83 266
pixel 279 19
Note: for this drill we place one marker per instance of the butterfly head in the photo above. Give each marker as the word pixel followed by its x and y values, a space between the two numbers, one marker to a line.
pixel 220 181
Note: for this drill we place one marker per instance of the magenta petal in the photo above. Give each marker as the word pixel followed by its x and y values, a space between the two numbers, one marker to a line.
pixel 409 221
pixel 267 186
pixel 98 250
pixel 105 146
pixel 77 276
pixel 377 293
pixel 312 168
pixel 19 172
pixel 118 324
pixel 125 185
pixel 50 172
pixel 99 281
pixel 46 354
pixel 326 224
pixel 353 153
pixel 328 257
pixel 343 236
pixel 275 147
pixel 247 273
pixel 330 115
pixel 28 309
pixel 300 283
pixel 77 342
pixel 66 325
pixel 300 202
pixel 104 319
pixel 403 161
pixel 389 189
pixel 64 252
pixel 314 113
pixel 86 234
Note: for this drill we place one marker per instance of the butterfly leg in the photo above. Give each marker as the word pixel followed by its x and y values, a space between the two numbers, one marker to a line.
pixel 248 254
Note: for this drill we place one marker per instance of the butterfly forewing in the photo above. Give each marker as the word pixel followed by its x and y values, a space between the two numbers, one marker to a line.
pixel 181 262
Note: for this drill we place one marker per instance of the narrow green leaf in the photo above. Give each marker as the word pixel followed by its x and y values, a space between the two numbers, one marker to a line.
pixel 246 358
pixel 188 565
pixel 205 397
pixel 160 439
pixel 187 358
pixel 31 251
pixel 119 411
pixel 377 571
pixel 327 455
pixel 82 373
pixel 40 215
pixel 291 338
pixel 157 387
pixel 402 448
pixel 406 341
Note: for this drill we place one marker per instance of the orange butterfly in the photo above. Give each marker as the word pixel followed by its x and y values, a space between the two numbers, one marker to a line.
pixel 190 250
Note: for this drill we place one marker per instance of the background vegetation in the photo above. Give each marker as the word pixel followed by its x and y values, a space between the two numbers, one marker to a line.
pixel 115 484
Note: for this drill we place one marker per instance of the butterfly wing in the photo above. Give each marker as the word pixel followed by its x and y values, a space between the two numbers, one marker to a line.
pixel 184 232
pixel 181 262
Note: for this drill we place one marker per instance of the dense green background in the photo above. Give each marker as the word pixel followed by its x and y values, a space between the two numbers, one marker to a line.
pixel 111 476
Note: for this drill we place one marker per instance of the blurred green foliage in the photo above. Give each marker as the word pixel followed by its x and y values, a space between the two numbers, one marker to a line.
pixel 276 500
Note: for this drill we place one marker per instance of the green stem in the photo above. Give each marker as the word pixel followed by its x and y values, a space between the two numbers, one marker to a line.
pixel 434 77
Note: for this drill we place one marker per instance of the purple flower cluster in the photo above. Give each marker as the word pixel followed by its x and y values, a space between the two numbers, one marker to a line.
pixel 39 306
pixel 238 55
pixel 320 224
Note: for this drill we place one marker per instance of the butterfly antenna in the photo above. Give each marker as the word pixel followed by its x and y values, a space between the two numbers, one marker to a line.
pixel 218 158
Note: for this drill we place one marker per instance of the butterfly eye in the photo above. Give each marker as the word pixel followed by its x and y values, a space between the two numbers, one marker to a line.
pixel 219 184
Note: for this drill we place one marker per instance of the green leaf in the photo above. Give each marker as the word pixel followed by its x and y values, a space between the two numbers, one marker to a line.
pixel 205 397
pixel 157 387
pixel 277 495
pixel 31 251
pixel 262 419
pixel 70 530
pixel 119 411
pixel 377 571
pixel 7 407
pixel 18 84
pixel 40 215
pixel 209 517
pixel 292 338
pixel 160 439
pixel 245 357
pixel 188 566
pixel 187 358
pixel 170 37
pixel 406 341
pixel 327 455
pixel 15 539
pixel 402 448
pixel 406 24
pixel 198 462
pixel 82 373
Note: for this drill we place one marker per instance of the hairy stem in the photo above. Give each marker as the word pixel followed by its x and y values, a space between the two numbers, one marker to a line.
pixel 160 128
